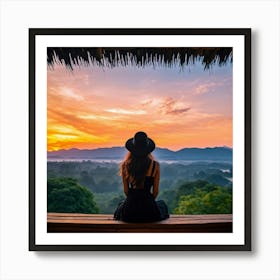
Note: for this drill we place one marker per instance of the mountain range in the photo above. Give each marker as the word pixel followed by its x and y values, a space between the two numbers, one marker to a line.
pixel 118 153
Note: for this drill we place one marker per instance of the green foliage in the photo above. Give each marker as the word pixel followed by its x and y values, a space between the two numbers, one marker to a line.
pixel 198 187
pixel 98 177
pixel 187 188
pixel 65 195
pixel 108 202
pixel 207 199
pixel 169 196
pixel 86 180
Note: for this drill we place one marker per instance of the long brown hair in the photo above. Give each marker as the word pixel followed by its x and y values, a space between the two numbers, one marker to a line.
pixel 134 169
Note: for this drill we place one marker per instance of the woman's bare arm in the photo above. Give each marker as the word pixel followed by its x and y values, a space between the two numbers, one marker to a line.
pixel 125 185
pixel 156 181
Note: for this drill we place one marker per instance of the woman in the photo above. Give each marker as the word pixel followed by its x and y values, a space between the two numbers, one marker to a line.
pixel 140 174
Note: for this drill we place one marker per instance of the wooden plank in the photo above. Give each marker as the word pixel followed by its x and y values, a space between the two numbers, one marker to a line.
pixel 111 221
pixel 172 217
pixel 108 216
pixel 68 222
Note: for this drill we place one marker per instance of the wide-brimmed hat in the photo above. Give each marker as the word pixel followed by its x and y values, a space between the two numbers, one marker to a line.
pixel 140 145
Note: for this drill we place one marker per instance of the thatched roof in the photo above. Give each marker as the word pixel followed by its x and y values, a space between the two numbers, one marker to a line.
pixel 140 57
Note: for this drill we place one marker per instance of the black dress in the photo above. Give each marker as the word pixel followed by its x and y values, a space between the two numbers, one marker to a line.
pixel 140 205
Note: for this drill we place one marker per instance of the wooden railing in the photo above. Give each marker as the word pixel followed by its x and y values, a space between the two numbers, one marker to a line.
pixel 69 222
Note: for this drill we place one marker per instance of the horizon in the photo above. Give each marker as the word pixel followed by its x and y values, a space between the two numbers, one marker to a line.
pixel 226 147
pixel 94 107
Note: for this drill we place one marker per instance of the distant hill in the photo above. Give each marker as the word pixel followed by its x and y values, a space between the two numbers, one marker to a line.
pixel 217 153
pixel 118 153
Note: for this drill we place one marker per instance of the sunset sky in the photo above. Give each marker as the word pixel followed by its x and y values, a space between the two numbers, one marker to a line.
pixel 92 107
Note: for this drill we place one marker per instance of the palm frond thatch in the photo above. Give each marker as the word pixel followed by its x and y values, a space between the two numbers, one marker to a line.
pixel 141 57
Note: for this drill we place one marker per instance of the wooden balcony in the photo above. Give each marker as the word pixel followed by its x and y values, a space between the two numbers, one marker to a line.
pixel 70 222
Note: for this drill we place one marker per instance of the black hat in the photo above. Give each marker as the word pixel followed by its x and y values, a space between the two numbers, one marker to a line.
pixel 140 145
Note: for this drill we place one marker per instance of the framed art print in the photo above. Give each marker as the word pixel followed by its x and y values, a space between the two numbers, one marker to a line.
pixel 99 98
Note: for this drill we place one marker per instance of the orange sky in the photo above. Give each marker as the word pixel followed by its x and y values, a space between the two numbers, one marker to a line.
pixel 93 107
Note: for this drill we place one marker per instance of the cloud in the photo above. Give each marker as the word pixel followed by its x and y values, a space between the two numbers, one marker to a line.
pixel 179 111
pixel 169 106
pixel 96 117
pixel 147 102
pixel 202 89
pixel 125 112
pixel 67 92
pixel 206 88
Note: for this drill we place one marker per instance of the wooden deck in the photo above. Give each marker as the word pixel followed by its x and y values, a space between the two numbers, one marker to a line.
pixel 69 222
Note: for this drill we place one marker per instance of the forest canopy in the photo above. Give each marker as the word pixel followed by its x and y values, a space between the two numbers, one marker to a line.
pixel 66 195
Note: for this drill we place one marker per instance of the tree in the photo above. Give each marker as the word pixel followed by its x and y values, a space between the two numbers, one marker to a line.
pixel 109 201
pixel 65 195
pixel 217 201
pixel 87 180
pixel 187 188
pixel 170 198
pixel 114 202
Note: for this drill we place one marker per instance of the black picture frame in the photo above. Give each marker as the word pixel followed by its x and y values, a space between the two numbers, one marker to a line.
pixel 244 33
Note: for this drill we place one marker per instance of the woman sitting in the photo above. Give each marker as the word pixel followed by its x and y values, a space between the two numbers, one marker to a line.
pixel 140 174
